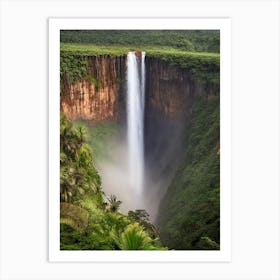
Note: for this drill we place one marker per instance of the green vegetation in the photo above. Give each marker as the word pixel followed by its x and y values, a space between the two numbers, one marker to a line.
pixel 135 238
pixel 74 216
pixel 98 138
pixel 94 50
pixel 94 81
pixel 72 67
pixel 89 220
pixel 187 40
pixel 204 66
pixel 189 214
pixel 196 51
pixel 77 173
pixel 114 203
pixel 142 217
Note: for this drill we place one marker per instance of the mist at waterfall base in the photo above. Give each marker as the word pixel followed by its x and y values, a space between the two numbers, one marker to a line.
pixel 144 151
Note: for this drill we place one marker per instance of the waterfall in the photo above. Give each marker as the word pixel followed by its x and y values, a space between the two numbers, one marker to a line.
pixel 135 119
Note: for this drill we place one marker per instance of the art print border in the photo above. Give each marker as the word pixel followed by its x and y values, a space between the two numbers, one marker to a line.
pixel 222 24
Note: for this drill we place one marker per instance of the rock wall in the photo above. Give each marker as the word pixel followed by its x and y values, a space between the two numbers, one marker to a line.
pixel 96 97
pixel 170 90
pixel 100 95
pixel 170 94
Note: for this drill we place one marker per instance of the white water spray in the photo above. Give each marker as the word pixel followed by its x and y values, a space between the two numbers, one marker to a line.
pixel 135 119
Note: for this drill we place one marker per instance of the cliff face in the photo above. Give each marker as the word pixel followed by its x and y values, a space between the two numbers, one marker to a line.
pixel 170 95
pixel 97 96
pixel 189 213
pixel 171 90
pixel 182 151
pixel 100 95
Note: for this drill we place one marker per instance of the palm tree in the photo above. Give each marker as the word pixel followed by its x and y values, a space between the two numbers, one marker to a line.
pixel 142 217
pixel 81 133
pixel 114 204
pixel 77 172
pixel 74 216
pixel 134 238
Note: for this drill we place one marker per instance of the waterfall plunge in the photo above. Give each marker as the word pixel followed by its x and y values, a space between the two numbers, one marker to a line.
pixel 135 119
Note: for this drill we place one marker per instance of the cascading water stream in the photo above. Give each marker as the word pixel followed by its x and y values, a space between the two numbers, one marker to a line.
pixel 135 119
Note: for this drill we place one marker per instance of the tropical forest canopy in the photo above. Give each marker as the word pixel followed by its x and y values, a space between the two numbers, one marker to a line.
pixel 187 40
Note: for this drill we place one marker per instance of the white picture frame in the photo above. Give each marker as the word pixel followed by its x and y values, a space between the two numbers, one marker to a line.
pixel 24 132
pixel 222 255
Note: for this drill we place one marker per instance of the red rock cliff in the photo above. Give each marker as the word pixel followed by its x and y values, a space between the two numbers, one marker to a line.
pixel 101 94
pixel 170 90
pixel 170 93
pixel 96 97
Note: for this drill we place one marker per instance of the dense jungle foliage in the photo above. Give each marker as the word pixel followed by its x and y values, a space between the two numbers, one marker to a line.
pixel 187 40
pixel 189 214
pixel 89 219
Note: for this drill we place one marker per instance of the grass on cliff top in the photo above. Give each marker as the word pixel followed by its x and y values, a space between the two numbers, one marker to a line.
pixel 204 66
pixel 181 58
pixel 187 40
